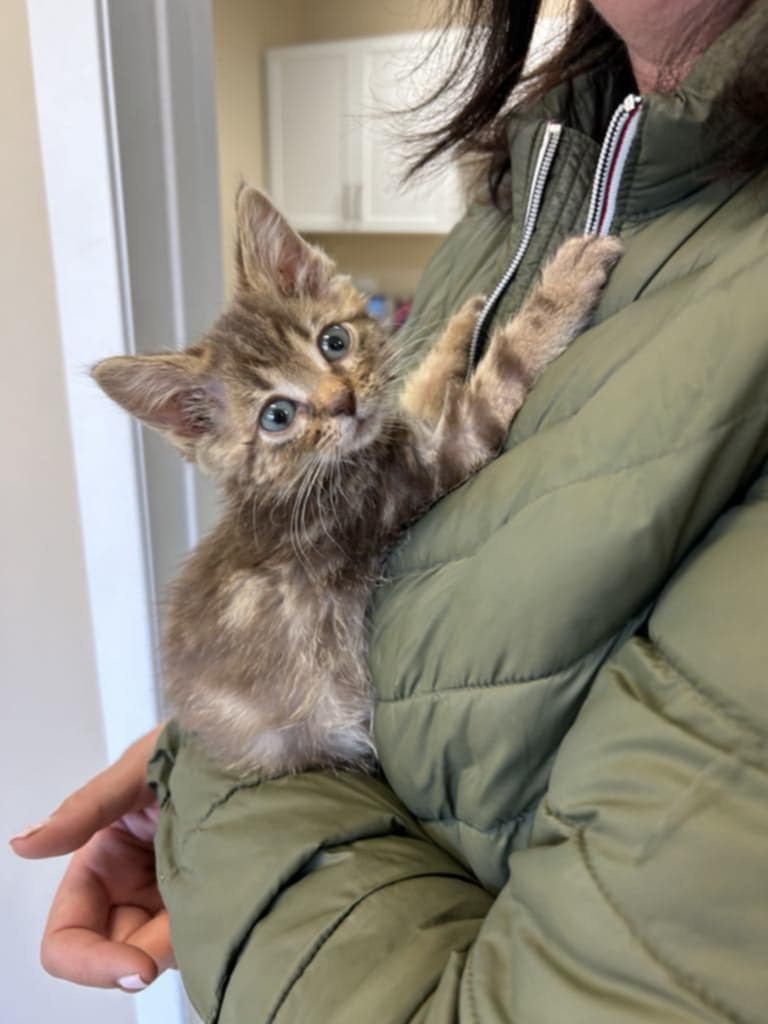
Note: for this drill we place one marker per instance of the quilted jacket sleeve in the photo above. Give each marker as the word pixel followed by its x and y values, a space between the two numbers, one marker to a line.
pixel 642 898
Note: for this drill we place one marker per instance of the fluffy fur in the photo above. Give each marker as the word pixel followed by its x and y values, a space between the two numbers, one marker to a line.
pixel 264 652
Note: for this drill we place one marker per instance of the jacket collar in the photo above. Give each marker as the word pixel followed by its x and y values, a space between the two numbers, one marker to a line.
pixel 679 145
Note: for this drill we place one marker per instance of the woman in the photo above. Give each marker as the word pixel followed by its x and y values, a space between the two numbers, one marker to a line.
pixel 568 652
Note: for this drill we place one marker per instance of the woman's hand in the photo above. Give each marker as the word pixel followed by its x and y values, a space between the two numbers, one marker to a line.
pixel 107 926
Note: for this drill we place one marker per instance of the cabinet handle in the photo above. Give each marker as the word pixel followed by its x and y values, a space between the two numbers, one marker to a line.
pixel 351 203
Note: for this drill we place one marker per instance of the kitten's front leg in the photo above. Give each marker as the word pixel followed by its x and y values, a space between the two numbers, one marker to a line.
pixel 555 311
pixel 446 363
pixel 476 415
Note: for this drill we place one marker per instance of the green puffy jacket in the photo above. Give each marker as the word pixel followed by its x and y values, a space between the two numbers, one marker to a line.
pixel 570 654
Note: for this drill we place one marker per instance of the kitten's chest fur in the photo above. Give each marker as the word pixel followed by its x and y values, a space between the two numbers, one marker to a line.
pixel 265 643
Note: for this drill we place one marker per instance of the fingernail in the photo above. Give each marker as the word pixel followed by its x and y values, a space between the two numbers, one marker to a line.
pixel 132 983
pixel 29 830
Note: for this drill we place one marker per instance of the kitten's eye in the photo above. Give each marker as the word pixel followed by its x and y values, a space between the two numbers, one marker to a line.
pixel 334 342
pixel 278 415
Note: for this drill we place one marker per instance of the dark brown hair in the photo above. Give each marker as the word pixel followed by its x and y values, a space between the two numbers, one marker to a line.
pixel 489 64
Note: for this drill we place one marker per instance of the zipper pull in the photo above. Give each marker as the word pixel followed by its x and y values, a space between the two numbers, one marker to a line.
pixel 610 165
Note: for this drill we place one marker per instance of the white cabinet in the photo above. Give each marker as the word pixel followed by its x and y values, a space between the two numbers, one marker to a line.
pixel 335 158
pixel 309 145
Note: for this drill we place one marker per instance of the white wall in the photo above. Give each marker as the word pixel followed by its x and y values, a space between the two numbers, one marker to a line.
pixel 121 112
pixel 50 728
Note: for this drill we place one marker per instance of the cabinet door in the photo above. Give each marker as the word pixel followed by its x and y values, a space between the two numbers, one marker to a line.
pixel 309 135
pixel 395 74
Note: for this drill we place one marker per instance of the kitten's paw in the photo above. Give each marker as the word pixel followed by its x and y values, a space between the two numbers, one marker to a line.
pixel 461 326
pixel 470 311
pixel 561 304
pixel 585 259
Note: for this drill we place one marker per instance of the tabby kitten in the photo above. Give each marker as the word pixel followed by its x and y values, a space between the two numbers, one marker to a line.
pixel 291 403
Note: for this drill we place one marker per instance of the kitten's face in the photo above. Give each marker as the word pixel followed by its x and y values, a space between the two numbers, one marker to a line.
pixel 306 383
pixel 294 376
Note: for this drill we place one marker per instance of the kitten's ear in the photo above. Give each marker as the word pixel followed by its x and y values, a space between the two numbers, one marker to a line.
pixel 167 392
pixel 272 256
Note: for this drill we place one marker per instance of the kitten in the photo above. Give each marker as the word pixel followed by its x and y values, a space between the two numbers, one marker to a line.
pixel 290 402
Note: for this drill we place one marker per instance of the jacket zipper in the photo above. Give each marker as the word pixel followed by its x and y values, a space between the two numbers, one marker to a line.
pixel 610 165
pixel 602 203
pixel 544 159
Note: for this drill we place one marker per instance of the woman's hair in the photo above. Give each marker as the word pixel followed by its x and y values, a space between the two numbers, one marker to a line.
pixel 488 66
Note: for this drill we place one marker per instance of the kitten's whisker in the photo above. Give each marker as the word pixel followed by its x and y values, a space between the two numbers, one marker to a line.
pixel 295 527
pixel 309 491
pixel 329 480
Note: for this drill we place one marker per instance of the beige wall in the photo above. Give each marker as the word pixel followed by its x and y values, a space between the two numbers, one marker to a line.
pixel 393 263
pixel 243 29
pixel 346 19
pixel 555 8
pixel 50 729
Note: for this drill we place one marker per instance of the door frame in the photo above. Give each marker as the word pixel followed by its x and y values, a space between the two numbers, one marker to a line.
pixel 110 133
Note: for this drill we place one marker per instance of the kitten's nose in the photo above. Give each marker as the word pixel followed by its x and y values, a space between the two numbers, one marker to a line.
pixel 341 402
